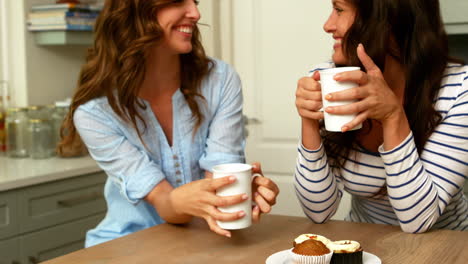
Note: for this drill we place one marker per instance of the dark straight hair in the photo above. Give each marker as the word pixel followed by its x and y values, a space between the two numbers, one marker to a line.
pixel 413 33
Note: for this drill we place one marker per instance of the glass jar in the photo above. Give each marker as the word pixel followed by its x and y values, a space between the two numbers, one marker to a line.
pixel 40 138
pixel 39 112
pixel 16 124
pixel 61 111
pixel 2 132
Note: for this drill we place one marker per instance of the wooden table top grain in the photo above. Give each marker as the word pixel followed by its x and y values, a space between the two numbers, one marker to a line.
pixel 195 243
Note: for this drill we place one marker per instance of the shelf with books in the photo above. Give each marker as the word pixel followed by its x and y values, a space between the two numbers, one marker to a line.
pixel 62 24
pixel 63 37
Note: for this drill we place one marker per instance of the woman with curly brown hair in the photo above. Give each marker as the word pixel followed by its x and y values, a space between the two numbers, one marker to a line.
pixel 157 114
pixel 408 164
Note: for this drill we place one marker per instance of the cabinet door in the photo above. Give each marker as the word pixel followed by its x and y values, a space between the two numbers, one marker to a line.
pixel 62 201
pixel 9 251
pixel 8 214
pixel 56 241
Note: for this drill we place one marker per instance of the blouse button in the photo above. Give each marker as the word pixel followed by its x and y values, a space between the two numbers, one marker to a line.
pixel 178 181
pixel 177 164
pixel 177 172
pixel 174 157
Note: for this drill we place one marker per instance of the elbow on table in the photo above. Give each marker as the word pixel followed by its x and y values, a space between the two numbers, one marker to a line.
pixel 422 222
pixel 317 218
pixel 415 228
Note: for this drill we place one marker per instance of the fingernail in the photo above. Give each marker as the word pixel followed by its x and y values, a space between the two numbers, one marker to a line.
pixel 329 109
pixel 344 129
pixel 256 194
pixel 232 178
pixel 245 196
pixel 337 76
pixel 228 235
pixel 256 208
pixel 328 96
pixel 241 214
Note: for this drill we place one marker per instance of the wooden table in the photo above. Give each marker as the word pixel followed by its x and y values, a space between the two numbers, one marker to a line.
pixel 194 243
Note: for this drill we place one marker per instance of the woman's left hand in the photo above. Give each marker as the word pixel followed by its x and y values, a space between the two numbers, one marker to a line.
pixel 264 192
pixel 376 100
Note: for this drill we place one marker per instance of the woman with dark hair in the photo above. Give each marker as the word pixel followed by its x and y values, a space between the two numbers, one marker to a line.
pixel 408 164
pixel 157 114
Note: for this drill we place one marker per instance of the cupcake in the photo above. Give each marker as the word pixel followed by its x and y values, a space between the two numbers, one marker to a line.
pixel 311 249
pixel 305 237
pixel 346 252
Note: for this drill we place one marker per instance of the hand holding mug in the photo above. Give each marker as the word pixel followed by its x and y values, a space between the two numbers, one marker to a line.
pixel 335 122
pixel 375 98
pixel 250 181
pixel 198 198
pixel 264 192
pixel 309 98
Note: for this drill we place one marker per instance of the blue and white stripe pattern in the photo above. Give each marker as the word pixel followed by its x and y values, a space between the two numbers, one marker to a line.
pixel 422 191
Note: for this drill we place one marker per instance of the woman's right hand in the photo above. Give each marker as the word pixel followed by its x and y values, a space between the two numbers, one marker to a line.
pixel 309 98
pixel 199 198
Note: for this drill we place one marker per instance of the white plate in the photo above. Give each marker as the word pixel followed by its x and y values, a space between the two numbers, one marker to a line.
pixel 282 257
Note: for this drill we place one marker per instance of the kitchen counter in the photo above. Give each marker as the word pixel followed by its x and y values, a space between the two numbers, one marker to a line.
pixel 17 173
pixel 195 243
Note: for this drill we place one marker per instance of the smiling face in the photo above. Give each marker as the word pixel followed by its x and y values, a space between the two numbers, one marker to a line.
pixel 337 24
pixel 178 21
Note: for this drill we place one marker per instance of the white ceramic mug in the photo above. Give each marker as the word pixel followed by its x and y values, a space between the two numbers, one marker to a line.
pixel 329 85
pixel 243 184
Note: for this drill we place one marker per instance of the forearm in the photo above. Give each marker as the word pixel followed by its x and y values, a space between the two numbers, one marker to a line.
pixel 316 186
pixel 163 198
pixel 310 134
pixel 412 192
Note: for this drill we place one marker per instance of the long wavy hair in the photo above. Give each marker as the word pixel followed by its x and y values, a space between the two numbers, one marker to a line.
pixel 125 32
pixel 412 32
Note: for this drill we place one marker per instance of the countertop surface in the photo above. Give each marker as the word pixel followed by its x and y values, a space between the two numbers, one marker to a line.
pixel 17 173
pixel 195 243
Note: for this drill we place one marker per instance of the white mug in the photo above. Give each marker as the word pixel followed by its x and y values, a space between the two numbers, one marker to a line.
pixel 243 184
pixel 333 122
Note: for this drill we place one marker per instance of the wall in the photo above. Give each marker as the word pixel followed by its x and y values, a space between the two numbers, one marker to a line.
pixel 36 74
pixel 2 38
pixel 52 71
pixel 14 53
pixel 44 74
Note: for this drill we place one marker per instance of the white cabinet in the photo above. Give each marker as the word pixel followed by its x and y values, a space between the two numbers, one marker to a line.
pixel 455 16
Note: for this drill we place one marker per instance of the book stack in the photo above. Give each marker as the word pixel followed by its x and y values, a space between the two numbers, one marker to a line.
pixel 60 17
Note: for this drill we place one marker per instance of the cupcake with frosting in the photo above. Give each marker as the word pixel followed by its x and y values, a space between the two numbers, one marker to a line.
pixel 311 249
pixel 346 252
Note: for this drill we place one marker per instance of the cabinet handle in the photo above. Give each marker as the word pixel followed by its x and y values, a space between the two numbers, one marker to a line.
pixel 33 260
pixel 79 200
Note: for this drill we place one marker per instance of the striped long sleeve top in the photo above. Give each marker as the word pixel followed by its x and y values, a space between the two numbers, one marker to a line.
pixel 423 191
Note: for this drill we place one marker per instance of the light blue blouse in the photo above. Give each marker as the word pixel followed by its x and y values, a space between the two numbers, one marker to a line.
pixel 133 170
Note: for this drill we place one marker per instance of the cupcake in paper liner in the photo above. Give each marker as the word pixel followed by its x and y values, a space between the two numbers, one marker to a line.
pixel 305 237
pixel 311 249
pixel 346 252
